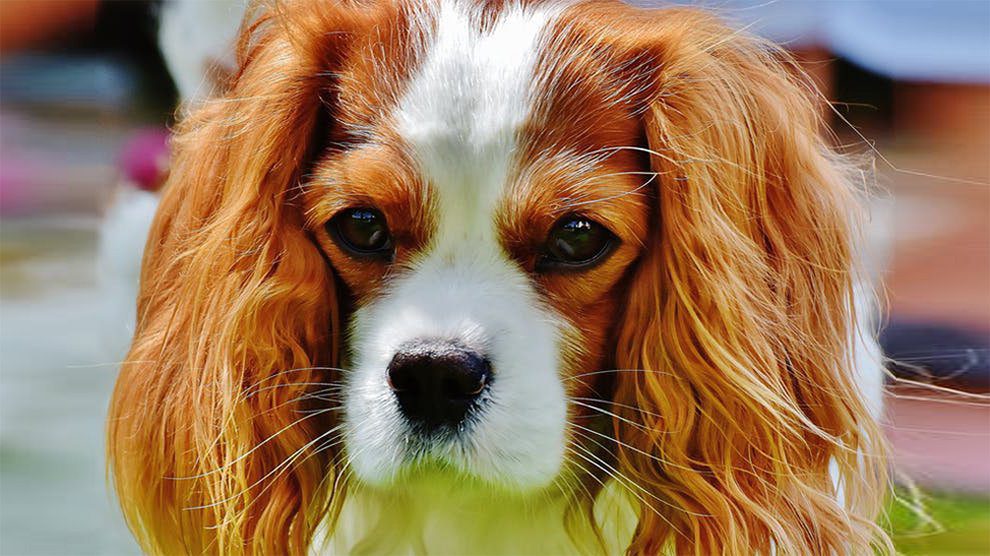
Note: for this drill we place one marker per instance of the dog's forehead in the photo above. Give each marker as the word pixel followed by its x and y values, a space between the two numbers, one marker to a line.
pixel 469 97
pixel 473 89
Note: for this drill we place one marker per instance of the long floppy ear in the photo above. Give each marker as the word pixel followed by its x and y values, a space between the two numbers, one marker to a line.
pixel 212 444
pixel 740 313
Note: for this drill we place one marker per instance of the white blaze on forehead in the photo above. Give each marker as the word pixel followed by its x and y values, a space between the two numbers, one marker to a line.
pixel 465 104
pixel 460 117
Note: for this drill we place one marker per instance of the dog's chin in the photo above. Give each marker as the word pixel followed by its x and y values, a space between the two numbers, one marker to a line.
pixel 436 475
pixel 455 457
pixel 438 469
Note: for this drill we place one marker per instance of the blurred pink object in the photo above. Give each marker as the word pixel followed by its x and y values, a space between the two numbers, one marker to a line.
pixel 13 179
pixel 144 158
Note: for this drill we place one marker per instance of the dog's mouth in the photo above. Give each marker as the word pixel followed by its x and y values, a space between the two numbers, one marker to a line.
pixel 423 452
pixel 424 435
pixel 440 451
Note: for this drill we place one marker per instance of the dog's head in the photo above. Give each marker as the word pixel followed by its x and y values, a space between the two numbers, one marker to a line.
pixel 519 245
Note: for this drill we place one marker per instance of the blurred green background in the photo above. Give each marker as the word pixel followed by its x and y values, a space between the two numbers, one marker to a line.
pixel 961 525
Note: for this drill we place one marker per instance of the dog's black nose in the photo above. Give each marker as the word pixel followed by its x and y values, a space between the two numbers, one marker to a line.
pixel 436 382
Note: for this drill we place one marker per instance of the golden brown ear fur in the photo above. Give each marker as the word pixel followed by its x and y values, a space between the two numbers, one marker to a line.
pixel 740 313
pixel 209 448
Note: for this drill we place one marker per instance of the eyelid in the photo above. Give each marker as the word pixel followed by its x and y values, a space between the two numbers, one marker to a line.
pixel 579 216
pixel 593 218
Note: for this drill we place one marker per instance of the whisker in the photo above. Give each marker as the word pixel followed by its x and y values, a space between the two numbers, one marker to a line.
pixel 296 370
pixel 326 395
pixel 588 472
pixel 630 447
pixel 605 469
pixel 634 483
pixel 288 385
pixel 293 465
pixel 619 417
pixel 653 176
pixel 608 371
pixel 617 404
pixel 249 452
pixel 312 411
pixel 277 469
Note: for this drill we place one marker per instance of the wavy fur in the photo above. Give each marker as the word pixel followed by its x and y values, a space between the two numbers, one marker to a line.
pixel 204 454
pixel 745 303
pixel 738 314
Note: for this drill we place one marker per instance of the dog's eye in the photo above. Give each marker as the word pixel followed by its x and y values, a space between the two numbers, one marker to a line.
pixel 362 231
pixel 575 243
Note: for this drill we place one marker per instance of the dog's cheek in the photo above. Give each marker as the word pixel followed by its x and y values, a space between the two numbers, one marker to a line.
pixel 584 351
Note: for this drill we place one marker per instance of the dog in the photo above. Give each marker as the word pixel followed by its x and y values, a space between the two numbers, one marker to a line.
pixel 501 277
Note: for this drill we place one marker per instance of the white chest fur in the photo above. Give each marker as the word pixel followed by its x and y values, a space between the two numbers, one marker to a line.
pixel 446 518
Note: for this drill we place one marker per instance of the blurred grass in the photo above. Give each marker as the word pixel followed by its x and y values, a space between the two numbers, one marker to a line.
pixel 963 526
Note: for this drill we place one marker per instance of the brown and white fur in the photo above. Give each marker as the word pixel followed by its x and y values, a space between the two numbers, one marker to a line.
pixel 701 387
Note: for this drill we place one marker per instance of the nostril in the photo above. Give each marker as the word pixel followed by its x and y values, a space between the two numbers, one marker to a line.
pixel 475 386
pixel 436 382
pixel 398 377
pixel 467 382
pixel 404 370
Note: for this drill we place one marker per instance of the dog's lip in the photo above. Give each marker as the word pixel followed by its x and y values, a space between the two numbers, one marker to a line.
pixel 448 433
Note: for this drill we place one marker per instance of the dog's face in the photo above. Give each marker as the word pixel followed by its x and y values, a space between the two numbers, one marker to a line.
pixel 483 229
pixel 502 243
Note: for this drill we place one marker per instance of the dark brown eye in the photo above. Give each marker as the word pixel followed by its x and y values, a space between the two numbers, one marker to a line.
pixel 362 231
pixel 574 243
